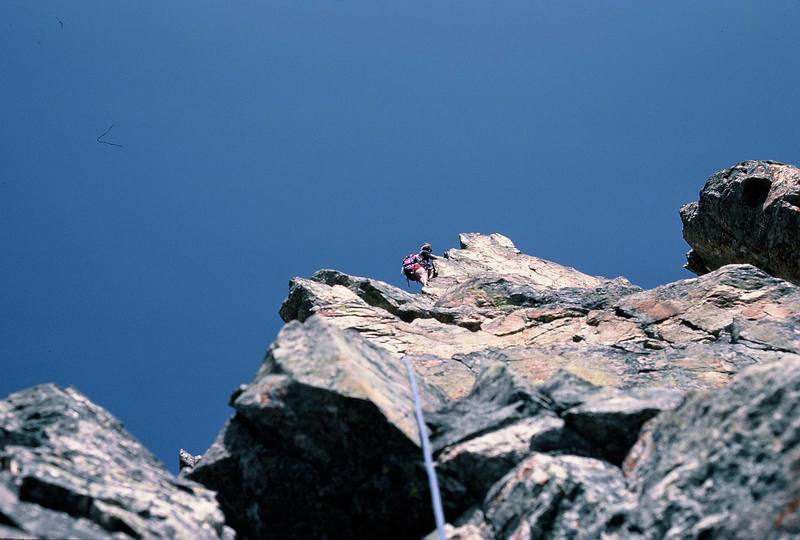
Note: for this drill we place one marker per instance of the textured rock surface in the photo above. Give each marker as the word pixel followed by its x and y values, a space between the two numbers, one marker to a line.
pixel 68 469
pixel 482 436
pixel 479 438
pixel 694 333
pixel 610 419
pixel 559 405
pixel 724 464
pixel 554 497
pixel 324 443
pixel 749 213
pixel 566 370
pixel 496 254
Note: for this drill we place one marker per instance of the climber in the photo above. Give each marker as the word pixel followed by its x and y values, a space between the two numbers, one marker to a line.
pixel 419 266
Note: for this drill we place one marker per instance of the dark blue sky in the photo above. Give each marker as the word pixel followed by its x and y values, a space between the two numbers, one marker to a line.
pixel 266 139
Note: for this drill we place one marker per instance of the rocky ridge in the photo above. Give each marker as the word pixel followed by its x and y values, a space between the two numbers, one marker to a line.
pixel 608 331
pixel 68 469
pixel 559 405
pixel 546 377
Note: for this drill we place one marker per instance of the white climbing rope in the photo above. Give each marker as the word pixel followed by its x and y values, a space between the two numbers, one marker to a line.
pixel 436 498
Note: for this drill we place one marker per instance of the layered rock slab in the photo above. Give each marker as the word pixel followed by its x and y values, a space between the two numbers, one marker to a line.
pixel 723 464
pixel 480 254
pixel 504 420
pixel 694 333
pixel 68 469
pixel 448 318
pixel 748 213
pixel 324 442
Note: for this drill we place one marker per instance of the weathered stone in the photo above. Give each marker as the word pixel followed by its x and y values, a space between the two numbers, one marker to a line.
pixel 694 333
pixel 480 437
pixel 452 376
pixel 610 419
pixel 724 464
pixel 481 299
pixel 324 443
pixel 378 294
pixel 460 296
pixel 477 463
pixel 342 307
pixel 554 497
pixel 749 213
pixel 528 369
pixel 565 390
pixel 709 305
pixel 684 367
pixel 495 254
pixel 498 398
pixel 503 420
pixel 68 469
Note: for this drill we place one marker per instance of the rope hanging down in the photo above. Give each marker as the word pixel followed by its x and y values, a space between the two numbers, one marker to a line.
pixel 436 498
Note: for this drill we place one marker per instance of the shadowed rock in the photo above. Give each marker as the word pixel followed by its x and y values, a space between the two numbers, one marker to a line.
pixel 537 380
pixel 610 419
pixel 499 397
pixel 724 464
pixel 324 443
pixel 482 436
pixel 68 469
pixel 749 213
pixel 554 497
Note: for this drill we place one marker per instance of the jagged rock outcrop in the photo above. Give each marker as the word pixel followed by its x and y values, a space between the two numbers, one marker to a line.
pixel 550 496
pixel 68 469
pixel 559 405
pixel 694 333
pixel 538 382
pixel 481 437
pixel 723 464
pixel 749 213
pixel 324 443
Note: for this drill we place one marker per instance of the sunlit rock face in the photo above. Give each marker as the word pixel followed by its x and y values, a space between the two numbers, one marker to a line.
pixel 68 469
pixel 559 405
pixel 694 333
pixel 749 213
